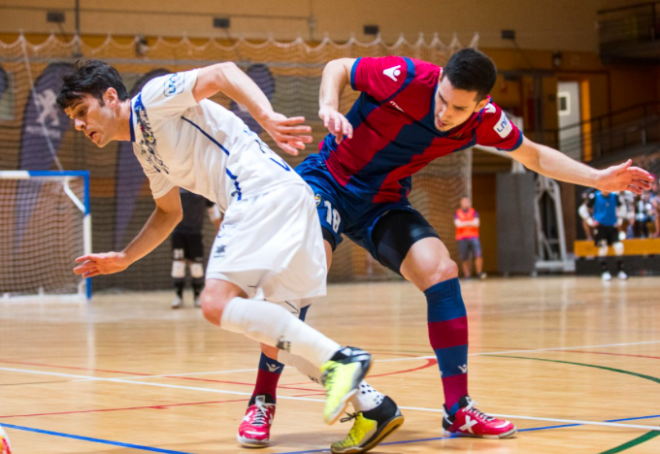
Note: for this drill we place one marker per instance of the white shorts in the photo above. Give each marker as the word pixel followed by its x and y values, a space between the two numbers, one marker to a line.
pixel 271 246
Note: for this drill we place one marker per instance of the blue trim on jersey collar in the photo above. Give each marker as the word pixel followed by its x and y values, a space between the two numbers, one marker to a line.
pixel 410 75
pixel 131 123
pixel 353 71
pixel 207 135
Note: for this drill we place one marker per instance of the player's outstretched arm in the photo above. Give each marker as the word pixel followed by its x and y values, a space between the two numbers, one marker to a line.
pixel 289 133
pixel 336 75
pixel 166 216
pixel 555 164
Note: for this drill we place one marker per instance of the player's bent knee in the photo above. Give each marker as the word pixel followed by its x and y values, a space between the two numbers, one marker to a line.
pixel 618 248
pixel 197 270
pixel 446 269
pixel 216 296
pixel 178 269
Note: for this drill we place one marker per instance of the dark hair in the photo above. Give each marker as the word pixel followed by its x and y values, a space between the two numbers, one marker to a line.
pixel 93 77
pixel 471 70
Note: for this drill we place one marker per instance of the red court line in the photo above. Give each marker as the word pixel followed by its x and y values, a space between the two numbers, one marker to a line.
pixel 613 354
pixel 237 383
pixel 155 407
pixel 429 363
pixel 176 377
pixel 74 368
pixel 320 393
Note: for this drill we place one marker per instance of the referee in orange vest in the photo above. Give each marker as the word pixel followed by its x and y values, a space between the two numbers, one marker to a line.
pixel 467 236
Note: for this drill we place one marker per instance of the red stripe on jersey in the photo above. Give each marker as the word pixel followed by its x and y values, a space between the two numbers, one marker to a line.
pixel 380 127
pixel 388 190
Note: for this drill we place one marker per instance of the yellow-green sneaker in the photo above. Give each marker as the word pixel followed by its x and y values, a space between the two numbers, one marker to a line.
pixel 341 377
pixel 370 428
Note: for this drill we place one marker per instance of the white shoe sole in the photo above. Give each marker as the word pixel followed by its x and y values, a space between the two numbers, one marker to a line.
pixel 250 443
pixel 508 434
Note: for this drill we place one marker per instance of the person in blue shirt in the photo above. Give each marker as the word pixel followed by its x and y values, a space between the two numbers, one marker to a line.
pixel 606 221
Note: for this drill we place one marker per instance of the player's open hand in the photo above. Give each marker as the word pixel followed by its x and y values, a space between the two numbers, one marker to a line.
pixel 290 134
pixel 625 177
pixel 105 263
pixel 336 123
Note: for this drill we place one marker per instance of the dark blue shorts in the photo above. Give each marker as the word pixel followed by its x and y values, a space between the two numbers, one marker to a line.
pixel 341 211
pixel 469 247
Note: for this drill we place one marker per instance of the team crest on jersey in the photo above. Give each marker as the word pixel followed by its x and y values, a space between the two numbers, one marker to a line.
pixel 173 84
pixel 318 199
pixel 148 141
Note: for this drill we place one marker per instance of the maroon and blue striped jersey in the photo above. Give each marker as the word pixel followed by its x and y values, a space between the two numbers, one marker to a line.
pixel 394 132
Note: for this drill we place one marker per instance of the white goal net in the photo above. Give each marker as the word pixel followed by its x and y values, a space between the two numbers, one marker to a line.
pixel 44 225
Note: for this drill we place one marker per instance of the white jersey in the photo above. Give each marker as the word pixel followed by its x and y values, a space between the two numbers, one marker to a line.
pixel 201 147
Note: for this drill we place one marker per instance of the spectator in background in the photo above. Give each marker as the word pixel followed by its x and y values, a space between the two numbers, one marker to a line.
pixel 627 214
pixel 655 203
pixel 187 245
pixel 467 236
pixel 585 215
pixel 606 221
pixel 644 213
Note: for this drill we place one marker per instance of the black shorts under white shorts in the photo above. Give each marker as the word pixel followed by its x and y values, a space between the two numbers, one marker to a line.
pixel 187 246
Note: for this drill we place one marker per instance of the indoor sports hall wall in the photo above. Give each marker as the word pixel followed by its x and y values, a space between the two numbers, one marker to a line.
pixel 289 74
pixel 540 24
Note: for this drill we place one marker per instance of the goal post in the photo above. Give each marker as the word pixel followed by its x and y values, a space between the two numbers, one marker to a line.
pixel 45 223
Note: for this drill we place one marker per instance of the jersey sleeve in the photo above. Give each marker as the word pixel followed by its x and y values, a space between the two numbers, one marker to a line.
pixel 169 95
pixel 496 130
pixel 382 77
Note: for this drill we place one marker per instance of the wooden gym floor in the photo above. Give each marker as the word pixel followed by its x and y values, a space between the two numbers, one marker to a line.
pixel 574 362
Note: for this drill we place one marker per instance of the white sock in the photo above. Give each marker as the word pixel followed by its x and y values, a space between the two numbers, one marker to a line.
pixel 301 364
pixel 367 398
pixel 275 326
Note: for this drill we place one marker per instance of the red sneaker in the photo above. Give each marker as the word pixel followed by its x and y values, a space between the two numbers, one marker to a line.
pixel 4 442
pixel 470 422
pixel 254 431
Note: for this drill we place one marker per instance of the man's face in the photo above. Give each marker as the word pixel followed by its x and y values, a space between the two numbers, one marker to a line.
pixel 453 107
pixel 465 204
pixel 98 121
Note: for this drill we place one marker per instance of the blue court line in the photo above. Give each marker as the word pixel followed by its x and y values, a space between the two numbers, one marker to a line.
pixel 168 451
pixel 421 440
pixel 94 440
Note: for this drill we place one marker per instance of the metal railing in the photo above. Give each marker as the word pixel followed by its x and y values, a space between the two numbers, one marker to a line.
pixel 610 134
pixel 628 24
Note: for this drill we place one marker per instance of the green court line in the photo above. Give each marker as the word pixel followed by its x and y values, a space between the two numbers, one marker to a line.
pixel 632 443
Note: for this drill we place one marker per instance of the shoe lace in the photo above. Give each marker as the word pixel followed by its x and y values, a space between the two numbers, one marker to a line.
pixel 350 417
pixel 261 415
pixel 479 414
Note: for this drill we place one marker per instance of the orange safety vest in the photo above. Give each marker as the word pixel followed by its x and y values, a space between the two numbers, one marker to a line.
pixel 468 231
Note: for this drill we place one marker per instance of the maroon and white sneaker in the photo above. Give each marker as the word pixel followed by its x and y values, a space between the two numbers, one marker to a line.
pixel 254 431
pixel 470 422
pixel 4 442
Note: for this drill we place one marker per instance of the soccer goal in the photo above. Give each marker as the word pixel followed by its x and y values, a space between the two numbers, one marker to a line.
pixel 45 223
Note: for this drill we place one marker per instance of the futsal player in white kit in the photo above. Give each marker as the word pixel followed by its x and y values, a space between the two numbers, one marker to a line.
pixel 269 249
